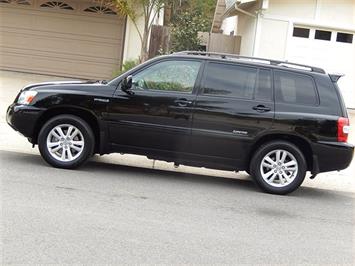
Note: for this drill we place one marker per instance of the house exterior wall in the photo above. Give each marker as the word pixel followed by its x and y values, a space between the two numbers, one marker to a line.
pixel 246 28
pixel 292 8
pixel 132 46
pixel 272 39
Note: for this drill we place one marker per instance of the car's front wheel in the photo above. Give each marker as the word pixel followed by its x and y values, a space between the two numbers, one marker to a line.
pixel 278 167
pixel 66 141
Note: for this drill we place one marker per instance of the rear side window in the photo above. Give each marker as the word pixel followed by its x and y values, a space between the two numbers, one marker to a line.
pixel 295 88
pixel 230 80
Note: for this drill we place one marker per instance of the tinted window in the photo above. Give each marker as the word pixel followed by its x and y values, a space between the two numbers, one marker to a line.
pixel 168 76
pixel 230 80
pixel 295 88
pixel 300 32
pixel 263 90
pixel 344 37
pixel 323 35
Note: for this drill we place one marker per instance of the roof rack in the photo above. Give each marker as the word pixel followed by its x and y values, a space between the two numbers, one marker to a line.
pixel 260 60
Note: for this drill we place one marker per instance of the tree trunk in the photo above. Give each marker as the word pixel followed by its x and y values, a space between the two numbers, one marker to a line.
pixel 144 49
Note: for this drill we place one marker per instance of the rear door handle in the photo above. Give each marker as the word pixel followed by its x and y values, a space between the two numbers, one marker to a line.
pixel 261 108
pixel 182 102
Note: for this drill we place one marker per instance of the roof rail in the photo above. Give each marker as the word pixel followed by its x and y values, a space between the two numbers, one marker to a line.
pixel 261 60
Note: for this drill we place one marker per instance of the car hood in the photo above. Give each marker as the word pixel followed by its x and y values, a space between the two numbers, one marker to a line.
pixel 58 83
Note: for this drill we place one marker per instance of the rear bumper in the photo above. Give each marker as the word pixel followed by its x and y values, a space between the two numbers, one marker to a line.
pixel 332 156
pixel 23 118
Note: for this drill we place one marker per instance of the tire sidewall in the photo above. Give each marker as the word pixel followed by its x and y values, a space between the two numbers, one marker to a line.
pixel 265 149
pixel 72 120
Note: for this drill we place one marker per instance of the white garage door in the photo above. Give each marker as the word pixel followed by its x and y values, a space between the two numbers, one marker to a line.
pixel 333 50
pixel 63 38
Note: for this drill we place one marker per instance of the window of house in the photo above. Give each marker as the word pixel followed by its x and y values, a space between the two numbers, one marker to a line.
pixel 344 37
pixel 300 32
pixel 295 88
pixel 174 75
pixel 230 80
pixel 323 35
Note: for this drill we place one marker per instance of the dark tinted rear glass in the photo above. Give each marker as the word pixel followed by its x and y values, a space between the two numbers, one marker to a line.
pixel 295 88
pixel 230 80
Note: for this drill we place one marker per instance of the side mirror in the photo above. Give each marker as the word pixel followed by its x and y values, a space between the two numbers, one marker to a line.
pixel 127 85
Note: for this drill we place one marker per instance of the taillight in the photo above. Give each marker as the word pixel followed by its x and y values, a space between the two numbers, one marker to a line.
pixel 343 129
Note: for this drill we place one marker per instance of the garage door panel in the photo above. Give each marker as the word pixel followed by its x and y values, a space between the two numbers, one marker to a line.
pixel 57 66
pixel 60 45
pixel 62 23
pixel 73 44
pixel 58 35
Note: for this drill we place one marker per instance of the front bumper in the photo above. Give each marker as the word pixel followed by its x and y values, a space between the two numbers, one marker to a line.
pixel 332 156
pixel 23 118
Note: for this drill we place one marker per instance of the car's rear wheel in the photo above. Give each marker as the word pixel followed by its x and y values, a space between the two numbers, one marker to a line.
pixel 278 167
pixel 66 141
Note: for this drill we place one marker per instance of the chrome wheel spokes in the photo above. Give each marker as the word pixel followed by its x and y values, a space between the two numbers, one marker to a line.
pixel 279 168
pixel 65 143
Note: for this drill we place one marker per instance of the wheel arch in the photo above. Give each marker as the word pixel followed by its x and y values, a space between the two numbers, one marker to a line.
pixel 298 141
pixel 84 114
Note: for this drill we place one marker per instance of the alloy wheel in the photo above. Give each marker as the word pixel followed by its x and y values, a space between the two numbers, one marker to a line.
pixel 65 142
pixel 279 168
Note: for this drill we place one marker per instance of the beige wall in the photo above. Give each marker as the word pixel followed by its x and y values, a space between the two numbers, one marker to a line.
pixel 292 8
pixel 339 11
pixel 246 29
pixel 132 46
pixel 272 39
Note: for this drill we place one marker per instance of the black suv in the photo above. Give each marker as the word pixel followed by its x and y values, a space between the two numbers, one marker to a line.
pixel 274 119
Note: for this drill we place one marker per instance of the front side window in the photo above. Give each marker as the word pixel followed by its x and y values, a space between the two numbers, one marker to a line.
pixel 230 80
pixel 295 88
pixel 179 75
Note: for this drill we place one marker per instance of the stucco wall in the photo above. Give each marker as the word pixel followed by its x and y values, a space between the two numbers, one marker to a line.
pixel 246 29
pixel 336 13
pixel 292 8
pixel 132 46
pixel 272 39
pixel 339 11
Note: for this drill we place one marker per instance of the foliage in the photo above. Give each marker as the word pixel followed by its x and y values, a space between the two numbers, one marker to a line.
pixel 204 7
pixel 136 9
pixel 127 65
pixel 185 31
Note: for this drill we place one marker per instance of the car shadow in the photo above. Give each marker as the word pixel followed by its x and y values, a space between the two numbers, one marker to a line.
pixel 110 170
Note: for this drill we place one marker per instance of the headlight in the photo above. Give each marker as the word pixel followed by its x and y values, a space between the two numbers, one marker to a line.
pixel 26 97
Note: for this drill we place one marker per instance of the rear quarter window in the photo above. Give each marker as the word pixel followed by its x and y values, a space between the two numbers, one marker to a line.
pixel 294 88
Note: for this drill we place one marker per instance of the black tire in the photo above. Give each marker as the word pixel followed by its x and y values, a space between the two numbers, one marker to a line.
pixel 87 134
pixel 266 149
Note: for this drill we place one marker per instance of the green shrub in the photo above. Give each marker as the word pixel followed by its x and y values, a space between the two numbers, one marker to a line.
pixel 127 65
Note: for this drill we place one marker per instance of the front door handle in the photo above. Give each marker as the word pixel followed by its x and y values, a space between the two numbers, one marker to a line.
pixel 261 108
pixel 182 102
